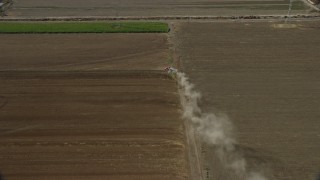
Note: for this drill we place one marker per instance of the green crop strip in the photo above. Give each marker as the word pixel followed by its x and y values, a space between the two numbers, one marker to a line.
pixel 83 27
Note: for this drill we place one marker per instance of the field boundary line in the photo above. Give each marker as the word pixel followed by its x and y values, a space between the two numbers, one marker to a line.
pixel 161 18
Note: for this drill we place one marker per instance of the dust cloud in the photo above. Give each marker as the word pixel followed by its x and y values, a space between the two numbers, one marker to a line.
pixel 216 130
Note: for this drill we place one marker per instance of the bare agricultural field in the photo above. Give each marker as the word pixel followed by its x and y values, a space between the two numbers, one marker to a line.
pixel 90 126
pixel 85 52
pixel 265 77
pixel 89 106
pixel 80 8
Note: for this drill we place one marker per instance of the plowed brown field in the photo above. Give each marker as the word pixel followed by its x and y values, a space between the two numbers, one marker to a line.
pixel 267 80
pixel 79 52
pixel 76 107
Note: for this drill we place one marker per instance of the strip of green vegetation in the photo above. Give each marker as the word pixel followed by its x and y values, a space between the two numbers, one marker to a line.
pixel 83 27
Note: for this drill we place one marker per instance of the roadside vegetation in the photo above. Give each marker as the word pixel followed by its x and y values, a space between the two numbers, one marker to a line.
pixel 83 27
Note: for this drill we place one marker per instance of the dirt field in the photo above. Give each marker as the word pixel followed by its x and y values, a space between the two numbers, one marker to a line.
pixel 54 8
pixel 98 106
pixel 266 80
pixel 58 52
pixel 61 118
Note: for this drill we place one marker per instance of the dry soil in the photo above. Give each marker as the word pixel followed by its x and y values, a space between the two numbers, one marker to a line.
pixel 266 79
pixel 72 8
pixel 89 106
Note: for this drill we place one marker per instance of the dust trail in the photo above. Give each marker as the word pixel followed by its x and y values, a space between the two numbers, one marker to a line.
pixel 214 129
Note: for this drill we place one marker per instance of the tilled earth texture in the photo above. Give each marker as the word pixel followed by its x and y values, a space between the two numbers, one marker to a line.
pixel 88 106
pixel 74 8
pixel 265 76
pixel 83 52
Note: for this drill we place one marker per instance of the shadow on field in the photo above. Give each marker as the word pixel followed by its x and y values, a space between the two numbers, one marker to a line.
pixel 1 176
